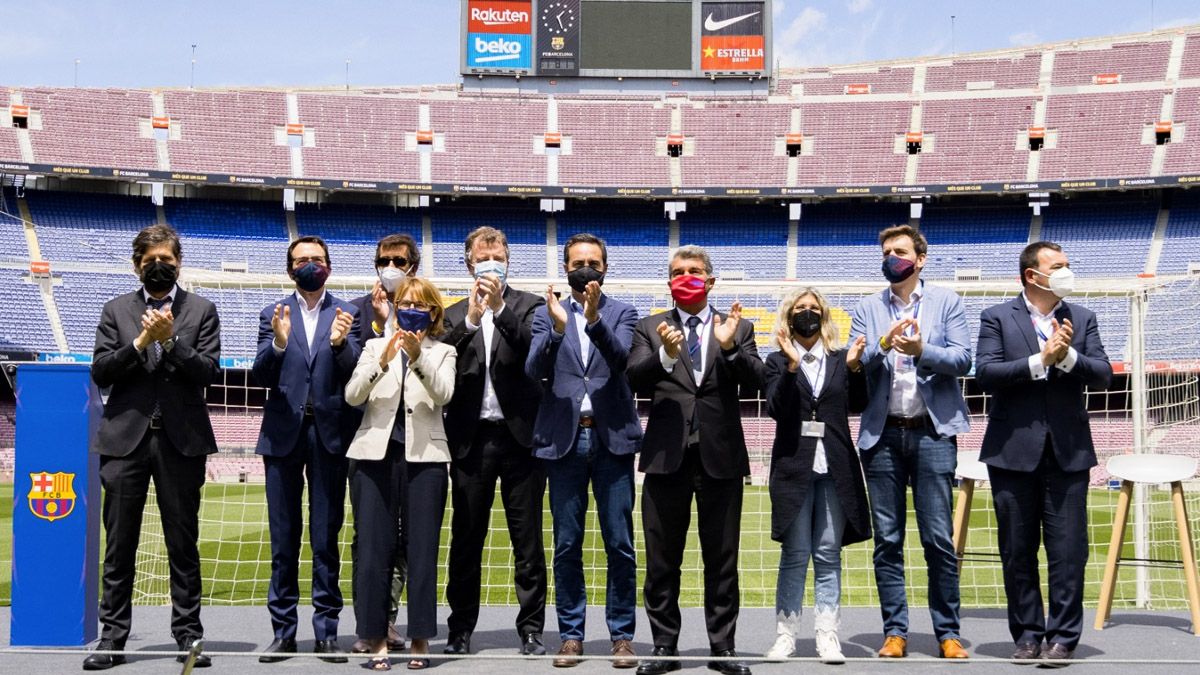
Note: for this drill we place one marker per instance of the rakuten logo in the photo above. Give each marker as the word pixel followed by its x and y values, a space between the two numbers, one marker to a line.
pixel 496 17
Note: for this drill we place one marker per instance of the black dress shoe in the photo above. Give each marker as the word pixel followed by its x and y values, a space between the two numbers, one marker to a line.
pixel 395 641
pixel 276 651
pixel 330 647
pixel 1056 652
pixel 659 666
pixel 1027 651
pixel 728 667
pixel 531 645
pixel 458 644
pixel 185 645
pixel 104 661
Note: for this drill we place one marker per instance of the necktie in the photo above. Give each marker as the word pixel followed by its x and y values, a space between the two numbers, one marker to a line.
pixel 693 345
pixel 158 350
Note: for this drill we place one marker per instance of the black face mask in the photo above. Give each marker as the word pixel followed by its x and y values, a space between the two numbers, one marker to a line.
pixel 159 277
pixel 806 323
pixel 578 279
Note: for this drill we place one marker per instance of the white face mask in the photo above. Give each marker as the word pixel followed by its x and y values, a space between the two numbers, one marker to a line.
pixel 492 267
pixel 390 277
pixel 1062 281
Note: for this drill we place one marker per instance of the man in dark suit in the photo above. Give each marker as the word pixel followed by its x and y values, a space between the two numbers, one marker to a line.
pixel 307 350
pixel 1036 354
pixel 397 256
pixel 489 424
pixel 587 431
pixel 691 361
pixel 157 348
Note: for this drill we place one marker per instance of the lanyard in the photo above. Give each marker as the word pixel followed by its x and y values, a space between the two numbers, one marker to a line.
pixel 897 314
pixel 1038 330
pixel 815 382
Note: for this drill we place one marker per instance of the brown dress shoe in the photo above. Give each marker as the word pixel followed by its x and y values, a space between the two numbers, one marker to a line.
pixel 395 641
pixel 360 646
pixel 894 647
pixel 567 652
pixel 952 649
pixel 624 650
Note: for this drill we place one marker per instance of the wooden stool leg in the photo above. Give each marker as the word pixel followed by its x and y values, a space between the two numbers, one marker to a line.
pixel 1189 554
pixel 962 517
pixel 1104 608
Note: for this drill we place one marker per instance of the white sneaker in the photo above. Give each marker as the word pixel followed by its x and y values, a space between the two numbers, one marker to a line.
pixel 828 648
pixel 785 646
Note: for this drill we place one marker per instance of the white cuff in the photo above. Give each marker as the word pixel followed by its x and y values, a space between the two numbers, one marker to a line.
pixel 667 362
pixel 1068 361
pixel 1036 370
pixel 471 328
pixel 277 348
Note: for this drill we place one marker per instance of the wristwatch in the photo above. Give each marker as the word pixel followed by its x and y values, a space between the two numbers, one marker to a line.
pixel 168 344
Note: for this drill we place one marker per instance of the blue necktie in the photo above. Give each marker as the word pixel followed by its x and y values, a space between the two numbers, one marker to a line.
pixel 158 350
pixel 693 344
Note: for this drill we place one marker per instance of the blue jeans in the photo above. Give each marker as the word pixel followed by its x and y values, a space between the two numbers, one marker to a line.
pixel 926 461
pixel 816 532
pixel 611 477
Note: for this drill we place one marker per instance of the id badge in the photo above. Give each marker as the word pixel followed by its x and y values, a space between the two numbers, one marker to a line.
pixel 903 363
pixel 812 429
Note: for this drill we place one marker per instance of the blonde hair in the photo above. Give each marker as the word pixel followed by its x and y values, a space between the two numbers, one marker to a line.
pixel 829 331
pixel 425 292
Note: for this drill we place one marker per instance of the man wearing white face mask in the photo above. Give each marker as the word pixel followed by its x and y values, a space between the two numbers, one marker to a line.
pixel 1035 363
pixel 397 257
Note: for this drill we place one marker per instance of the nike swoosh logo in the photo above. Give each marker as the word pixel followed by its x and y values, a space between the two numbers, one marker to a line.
pixel 711 25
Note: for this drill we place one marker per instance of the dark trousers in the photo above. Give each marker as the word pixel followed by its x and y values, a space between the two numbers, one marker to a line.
pixel 326 477
pixel 1046 504
pixel 126 481
pixel 496 455
pixel 666 517
pixel 399 559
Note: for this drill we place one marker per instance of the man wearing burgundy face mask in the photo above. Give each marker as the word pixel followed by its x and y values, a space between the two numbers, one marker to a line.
pixel 692 361
pixel 917 346
pixel 306 429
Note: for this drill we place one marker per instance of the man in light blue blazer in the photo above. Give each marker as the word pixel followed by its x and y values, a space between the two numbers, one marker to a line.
pixel 587 431
pixel 918 345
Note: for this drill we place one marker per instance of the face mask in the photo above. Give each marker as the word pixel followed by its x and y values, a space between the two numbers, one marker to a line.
pixel 159 277
pixel 580 278
pixel 1062 281
pixel 311 277
pixel 413 320
pixel 390 278
pixel 492 267
pixel 688 289
pixel 897 269
pixel 806 323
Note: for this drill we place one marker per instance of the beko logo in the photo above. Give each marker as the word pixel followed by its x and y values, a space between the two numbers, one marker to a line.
pixel 501 49
pixel 496 17
pixel 711 25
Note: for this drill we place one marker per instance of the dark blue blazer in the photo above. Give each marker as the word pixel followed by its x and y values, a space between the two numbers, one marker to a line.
pixel 1024 411
pixel 555 361
pixel 304 374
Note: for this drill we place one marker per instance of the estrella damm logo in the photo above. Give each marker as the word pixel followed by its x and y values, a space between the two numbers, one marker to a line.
pixel 52 495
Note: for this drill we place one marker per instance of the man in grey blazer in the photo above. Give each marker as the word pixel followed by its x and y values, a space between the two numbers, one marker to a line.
pixel 918 345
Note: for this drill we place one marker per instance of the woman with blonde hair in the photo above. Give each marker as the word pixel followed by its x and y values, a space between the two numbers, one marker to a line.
pixel 818 498
pixel 398 472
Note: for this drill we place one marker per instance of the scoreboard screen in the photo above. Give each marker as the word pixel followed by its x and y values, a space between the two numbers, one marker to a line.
pixel 636 35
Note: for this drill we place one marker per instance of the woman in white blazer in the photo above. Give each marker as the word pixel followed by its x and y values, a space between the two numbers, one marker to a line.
pixel 399 467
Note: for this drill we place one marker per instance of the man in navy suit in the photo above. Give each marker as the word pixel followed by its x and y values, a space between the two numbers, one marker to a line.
pixel 587 431
pixel 1036 354
pixel 306 429
pixel 917 346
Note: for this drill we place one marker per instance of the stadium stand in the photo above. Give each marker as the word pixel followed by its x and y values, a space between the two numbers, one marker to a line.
pixel 636 234
pixel 1134 62
pixel 228 132
pixel 839 241
pixel 95 127
pixel 984 238
pixel 230 231
pixel 735 142
pixel 976 141
pixel 86 227
pixel 1091 229
pixel 351 231
pixel 489 141
pixel 852 143
pixel 820 81
pixel 745 240
pixel 1017 72
pixel 613 144
pixel 80 298
pixel 1183 156
pixel 1099 135
pixel 1182 243
pixel 521 222
pixel 359 137
pixel 26 325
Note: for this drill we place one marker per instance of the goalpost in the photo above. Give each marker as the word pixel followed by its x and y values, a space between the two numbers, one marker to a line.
pixel 1148 327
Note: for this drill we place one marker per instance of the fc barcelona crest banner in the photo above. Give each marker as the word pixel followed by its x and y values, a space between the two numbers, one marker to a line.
pixel 52 495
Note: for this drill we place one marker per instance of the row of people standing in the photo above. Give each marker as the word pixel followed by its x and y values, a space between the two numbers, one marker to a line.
pixel 528 391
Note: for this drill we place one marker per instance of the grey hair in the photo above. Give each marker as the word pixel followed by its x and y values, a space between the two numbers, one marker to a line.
pixel 694 252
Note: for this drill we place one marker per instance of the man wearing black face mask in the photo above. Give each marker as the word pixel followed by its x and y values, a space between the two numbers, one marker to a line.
pixel 397 257
pixel 306 428
pixel 157 348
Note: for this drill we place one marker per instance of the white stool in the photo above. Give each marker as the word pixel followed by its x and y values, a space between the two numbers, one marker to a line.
pixel 969 470
pixel 1132 469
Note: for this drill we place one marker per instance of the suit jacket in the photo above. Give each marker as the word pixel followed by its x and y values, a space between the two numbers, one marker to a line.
pixel 1025 411
pixel 554 360
pixel 675 395
pixel 518 394
pixel 427 386
pixel 945 357
pixel 176 381
pixel 302 374
pixel 790 403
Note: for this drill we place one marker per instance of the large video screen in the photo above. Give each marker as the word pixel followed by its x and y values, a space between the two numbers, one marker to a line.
pixel 636 36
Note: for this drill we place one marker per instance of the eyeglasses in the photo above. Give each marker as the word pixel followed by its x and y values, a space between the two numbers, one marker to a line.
pixel 300 262
pixel 399 261
pixel 410 304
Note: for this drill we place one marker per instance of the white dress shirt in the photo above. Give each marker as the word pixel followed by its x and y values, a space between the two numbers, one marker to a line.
pixel 814 372
pixel 905 399
pixel 490 409
pixel 585 348
pixel 308 317
pixel 1043 328
pixel 705 328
